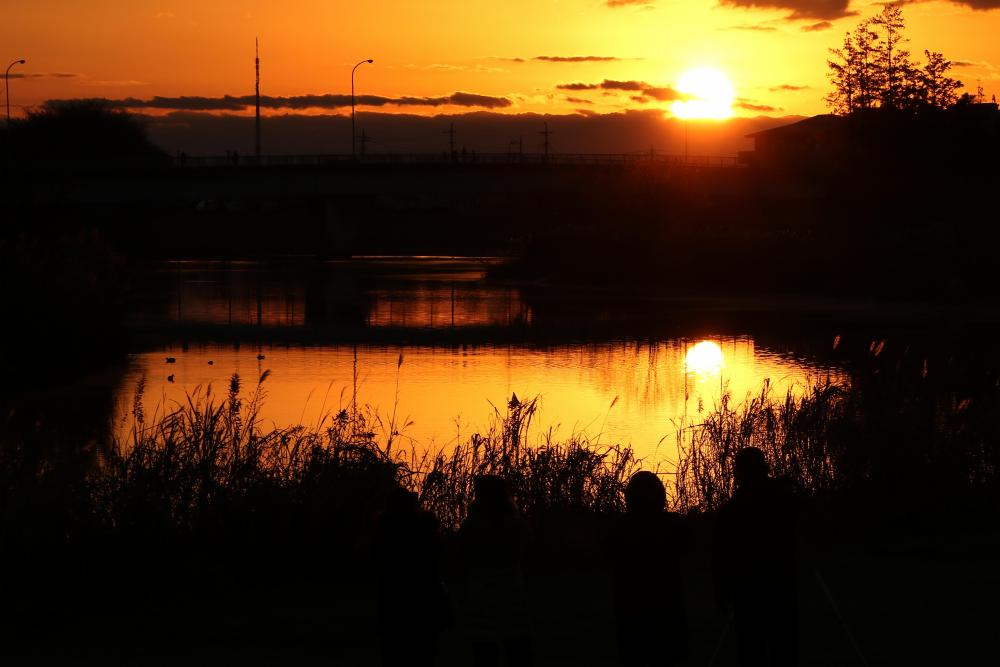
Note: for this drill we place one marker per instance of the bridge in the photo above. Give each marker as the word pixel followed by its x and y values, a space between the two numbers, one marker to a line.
pixel 341 204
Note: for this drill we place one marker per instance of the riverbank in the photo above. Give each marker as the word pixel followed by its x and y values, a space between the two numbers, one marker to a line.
pixel 208 537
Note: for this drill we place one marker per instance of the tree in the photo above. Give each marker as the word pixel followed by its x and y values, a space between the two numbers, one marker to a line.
pixel 939 90
pixel 83 131
pixel 855 76
pixel 871 70
pixel 893 61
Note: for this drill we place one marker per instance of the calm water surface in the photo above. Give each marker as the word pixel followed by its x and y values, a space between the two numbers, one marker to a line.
pixel 370 325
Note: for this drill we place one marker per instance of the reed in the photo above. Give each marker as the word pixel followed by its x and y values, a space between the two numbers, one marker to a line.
pixel 212 466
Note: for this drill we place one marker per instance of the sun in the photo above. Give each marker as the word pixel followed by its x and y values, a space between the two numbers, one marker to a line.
pixel 707 93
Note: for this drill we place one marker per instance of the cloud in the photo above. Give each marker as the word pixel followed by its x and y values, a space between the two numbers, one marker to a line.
pixel 298 102
pixel 751 105
pixel 817 27
pixel 751 27
pixel 576 59
pixel 662 94
pixel 36 75
pixel 449 67
pixel 610 84
pixel 823 10
pixel 114 83
pixel 979 5
pixel 787 87
pixel 659 93
pixel 578 100
pixel 983 65
pixel 642 4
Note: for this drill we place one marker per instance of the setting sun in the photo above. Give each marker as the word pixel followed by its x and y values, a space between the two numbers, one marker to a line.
pixel 707 92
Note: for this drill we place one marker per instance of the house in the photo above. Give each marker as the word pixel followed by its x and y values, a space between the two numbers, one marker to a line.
pixel 815 139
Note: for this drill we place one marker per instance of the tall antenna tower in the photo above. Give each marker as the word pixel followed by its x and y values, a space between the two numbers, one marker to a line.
pixel 256 63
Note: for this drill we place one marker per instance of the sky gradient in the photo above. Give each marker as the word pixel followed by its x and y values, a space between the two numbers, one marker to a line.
pixel 447 56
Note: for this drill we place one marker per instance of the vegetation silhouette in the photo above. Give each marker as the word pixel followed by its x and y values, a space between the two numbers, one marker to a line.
pixel 80 134
pixel 207 492
pixel 872 70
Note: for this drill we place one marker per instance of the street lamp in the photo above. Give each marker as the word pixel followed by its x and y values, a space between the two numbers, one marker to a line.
pixel 6 85
pixel 353 133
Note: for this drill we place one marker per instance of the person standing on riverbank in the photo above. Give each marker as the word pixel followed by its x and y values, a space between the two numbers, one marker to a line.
pixel 755 563
pixel 492 545
pixel 645 545
pixel 413 606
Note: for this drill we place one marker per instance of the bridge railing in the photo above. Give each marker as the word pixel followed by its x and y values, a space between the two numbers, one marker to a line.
pixel 468 158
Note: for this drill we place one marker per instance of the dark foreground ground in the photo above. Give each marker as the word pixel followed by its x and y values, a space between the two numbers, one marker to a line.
pixel 917 590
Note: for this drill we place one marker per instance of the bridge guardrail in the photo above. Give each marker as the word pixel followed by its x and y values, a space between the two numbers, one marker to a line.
pixel 608 159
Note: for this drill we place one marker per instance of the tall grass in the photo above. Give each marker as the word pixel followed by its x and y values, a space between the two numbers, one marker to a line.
pixel 210 451
pixel 802 435
pixel 212 466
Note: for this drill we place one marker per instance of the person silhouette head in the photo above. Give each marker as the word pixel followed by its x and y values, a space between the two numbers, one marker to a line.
pixel 750 468
pixel 644 494
pixel 492 496
pixel 402 501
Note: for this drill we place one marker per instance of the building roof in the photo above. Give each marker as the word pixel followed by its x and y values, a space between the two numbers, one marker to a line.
pixel 821 123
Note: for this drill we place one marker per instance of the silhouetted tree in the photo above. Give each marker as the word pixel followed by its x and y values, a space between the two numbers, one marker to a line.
pixel 938 90
pixel 892 61
pixel 854 74
pixel 82 131
pixel 872 70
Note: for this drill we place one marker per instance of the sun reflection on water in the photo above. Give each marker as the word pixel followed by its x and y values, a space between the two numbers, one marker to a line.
pixel 704 358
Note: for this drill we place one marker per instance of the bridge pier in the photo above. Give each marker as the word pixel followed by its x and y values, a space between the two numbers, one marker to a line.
pixel 338 230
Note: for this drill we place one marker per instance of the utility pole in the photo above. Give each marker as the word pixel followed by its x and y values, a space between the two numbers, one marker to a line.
pixel 364 141
pixel 451 141
pixel 256 63
pixel 546 133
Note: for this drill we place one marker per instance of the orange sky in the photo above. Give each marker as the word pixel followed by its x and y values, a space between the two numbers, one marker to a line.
pixel 146 48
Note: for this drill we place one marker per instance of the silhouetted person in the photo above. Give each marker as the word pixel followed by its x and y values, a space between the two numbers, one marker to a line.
pixel 645 545
pixel 492 544
pixel 412 605
pixel 755 562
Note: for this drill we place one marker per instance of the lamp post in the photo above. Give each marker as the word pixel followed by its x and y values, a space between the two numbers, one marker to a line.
pixel 353 133
pixel 6 85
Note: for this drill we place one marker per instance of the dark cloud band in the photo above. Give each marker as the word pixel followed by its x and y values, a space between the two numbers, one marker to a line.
pixel 659 93
pixel 816 10
pixel 299 102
